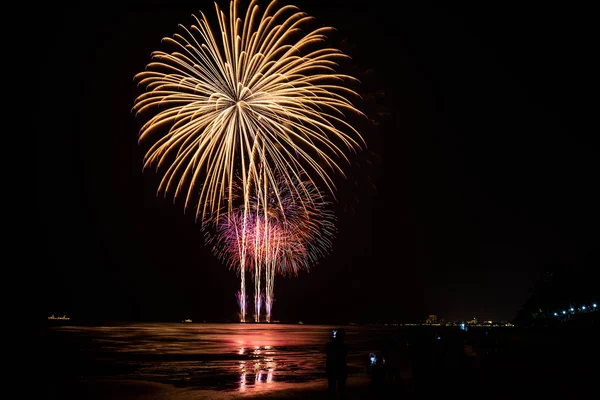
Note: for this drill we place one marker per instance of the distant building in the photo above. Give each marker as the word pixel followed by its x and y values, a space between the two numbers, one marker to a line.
pixel 472 322
pixel 432 319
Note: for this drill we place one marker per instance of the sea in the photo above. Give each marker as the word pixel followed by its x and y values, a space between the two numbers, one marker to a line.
pixel 196 361
pixel 199 360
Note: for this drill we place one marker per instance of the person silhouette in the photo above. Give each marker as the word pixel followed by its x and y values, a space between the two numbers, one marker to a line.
pixel 337 371
pixel 392 352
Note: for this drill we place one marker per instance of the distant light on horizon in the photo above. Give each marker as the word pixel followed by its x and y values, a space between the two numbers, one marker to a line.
pixel 583 307
pixel 564 312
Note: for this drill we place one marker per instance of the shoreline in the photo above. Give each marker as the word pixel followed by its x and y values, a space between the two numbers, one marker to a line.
pixel 117 388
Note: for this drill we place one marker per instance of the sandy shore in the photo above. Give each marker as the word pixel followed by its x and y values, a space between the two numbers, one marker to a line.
pixel 119 389
pixel 93 365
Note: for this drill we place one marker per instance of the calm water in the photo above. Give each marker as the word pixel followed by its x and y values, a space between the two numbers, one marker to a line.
pixel 225 358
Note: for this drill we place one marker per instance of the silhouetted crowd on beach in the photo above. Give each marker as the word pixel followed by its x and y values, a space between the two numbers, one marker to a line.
pixel 494 362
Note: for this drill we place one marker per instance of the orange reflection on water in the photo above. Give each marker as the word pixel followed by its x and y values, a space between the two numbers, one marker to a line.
pixel 263 368
pixel 242 376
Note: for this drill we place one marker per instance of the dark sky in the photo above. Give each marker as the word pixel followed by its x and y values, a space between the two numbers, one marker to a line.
pixel 484 166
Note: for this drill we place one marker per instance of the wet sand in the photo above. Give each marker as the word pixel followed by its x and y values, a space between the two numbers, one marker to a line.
pixel 176 361
pixel 142 361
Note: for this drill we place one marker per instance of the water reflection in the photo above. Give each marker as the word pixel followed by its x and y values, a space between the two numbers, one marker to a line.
pixel 263 367
pixel 225 357
pixel 242 376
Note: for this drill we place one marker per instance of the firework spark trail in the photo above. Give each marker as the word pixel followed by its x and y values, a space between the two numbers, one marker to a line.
pixel 271 237
pixel 271 264
pixel 241 298
pixel 257 271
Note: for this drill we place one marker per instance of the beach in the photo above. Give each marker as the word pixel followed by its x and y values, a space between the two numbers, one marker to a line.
pixel 259 361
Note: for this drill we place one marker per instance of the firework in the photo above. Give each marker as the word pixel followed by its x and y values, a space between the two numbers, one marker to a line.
pixel 258 94
pixel 258 91
pixel 282 235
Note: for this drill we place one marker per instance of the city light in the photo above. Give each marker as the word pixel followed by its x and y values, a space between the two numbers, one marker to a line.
pixel 555 314
pixel 594 305
pixel 583 307
pixel 571 309
pixel 564 312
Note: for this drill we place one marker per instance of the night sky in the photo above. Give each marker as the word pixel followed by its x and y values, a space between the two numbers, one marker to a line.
pixel 481 169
